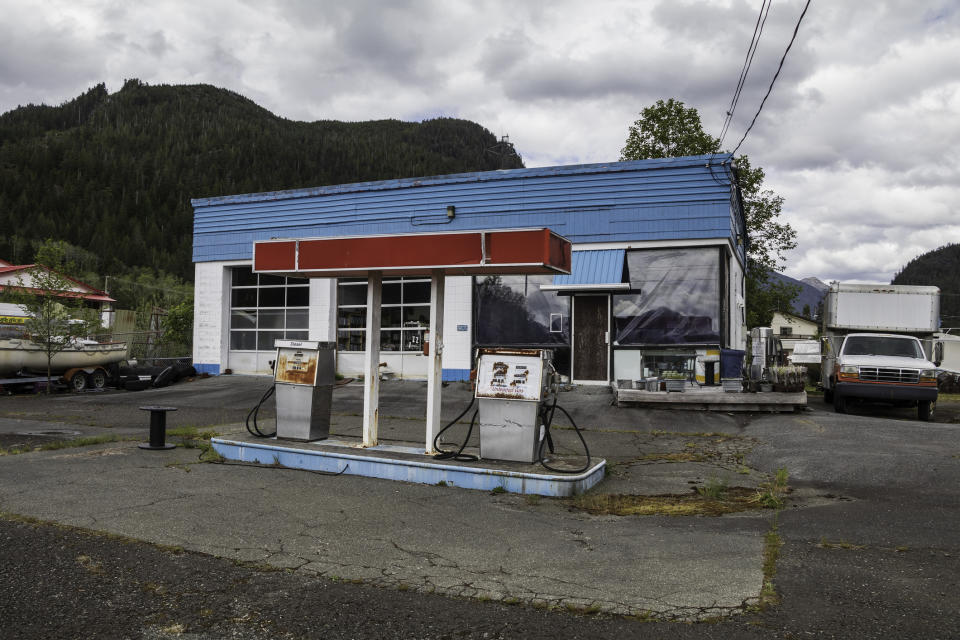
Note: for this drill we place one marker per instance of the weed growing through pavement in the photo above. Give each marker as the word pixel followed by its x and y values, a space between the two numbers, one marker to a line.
pixel 498 489
pixel 771 553
pixel 771 495
pixel 197 438
pixel 715 488
pixel 840 544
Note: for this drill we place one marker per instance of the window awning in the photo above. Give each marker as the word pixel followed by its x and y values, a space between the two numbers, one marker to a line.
pixel 597 270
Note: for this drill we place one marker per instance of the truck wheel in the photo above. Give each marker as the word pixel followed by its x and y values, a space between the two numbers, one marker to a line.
pixel 839 404
pixel 828 396
pixel 79 381
pixel 98 379
pixel 925 410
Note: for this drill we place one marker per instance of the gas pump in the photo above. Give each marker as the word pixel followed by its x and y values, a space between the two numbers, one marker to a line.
pixel 517 393
pixel 303 378
pixel 513 386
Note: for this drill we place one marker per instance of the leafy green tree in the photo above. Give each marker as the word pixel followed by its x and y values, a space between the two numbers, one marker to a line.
pixel 178 325
pixel 671 129
pixel 668 130
pixel 56 316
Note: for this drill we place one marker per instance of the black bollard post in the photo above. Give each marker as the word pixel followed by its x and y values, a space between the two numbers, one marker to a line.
pixel 158 428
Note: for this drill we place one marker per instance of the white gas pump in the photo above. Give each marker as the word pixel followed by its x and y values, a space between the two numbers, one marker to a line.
pixel 303 377
pixel 512 386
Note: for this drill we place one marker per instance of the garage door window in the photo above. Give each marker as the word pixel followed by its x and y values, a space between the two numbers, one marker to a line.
pixel 264 308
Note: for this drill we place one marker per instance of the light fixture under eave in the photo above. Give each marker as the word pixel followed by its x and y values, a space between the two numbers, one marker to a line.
pixel 451 212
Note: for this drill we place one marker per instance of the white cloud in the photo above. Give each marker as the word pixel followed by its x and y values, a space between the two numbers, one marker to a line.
pixel 861 134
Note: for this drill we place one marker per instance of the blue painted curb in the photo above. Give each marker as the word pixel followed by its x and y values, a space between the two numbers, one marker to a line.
pixel 422 472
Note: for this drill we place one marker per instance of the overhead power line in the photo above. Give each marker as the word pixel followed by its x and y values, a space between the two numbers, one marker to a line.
pixel 747 63
pixel 775 76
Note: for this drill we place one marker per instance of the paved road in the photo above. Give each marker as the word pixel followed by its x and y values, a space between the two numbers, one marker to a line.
pixel 869 545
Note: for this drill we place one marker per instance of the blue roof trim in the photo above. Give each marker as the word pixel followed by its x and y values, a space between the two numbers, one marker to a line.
pixel 601 266
pixel 645 200
pixel 718 163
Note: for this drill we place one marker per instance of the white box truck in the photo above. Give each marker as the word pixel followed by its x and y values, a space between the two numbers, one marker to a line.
pixel 878 344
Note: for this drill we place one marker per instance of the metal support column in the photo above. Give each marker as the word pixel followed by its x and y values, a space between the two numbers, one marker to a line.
pixel 371 363
pixel 435 364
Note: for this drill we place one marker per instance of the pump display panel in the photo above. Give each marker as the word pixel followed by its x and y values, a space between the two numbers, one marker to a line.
pixel 297 362
pixel 510 377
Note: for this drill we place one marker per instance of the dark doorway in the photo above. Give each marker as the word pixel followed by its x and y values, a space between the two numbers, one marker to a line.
pixel 590 326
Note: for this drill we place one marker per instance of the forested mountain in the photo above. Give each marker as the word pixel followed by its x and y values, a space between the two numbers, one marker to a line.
pixel 939 268
pixel 114 173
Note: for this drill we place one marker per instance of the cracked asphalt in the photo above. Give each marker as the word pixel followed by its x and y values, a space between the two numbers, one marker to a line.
pixel 113 541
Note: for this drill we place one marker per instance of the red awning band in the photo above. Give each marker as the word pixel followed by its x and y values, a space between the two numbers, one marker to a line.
pixel 523 251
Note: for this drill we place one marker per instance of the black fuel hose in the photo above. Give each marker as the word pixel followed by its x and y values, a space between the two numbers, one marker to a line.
pixel 546 437
pixel 459 454
pixel 254 429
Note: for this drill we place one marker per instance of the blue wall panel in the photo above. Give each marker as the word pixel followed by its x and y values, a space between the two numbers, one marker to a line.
pixel 663 199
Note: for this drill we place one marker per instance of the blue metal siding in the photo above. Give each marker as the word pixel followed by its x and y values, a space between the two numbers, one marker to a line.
pixel 665 199
pixel 604 266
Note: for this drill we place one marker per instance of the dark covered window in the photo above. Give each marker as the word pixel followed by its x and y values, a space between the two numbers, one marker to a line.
pixel 514 311
pixel 678 300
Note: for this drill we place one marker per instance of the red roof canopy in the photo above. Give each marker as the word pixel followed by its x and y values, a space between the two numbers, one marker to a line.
pixel 514 251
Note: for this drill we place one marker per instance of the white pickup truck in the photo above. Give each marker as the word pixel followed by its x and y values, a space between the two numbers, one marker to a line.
pixel 885 367
pixel 874 339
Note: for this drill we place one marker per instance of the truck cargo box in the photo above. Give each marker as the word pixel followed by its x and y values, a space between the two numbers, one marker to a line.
pixel 882 308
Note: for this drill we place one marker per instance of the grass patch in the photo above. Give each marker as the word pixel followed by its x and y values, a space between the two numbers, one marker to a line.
pixel 498 490
pixel 691 434
pixel 840 544
pixel 733 500
pixel 64 444
pixel 680 456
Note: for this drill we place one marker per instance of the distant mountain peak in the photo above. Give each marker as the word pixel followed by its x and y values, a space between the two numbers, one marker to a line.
pixel 816 283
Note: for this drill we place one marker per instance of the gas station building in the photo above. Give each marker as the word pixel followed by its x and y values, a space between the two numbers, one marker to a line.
pixel 656 276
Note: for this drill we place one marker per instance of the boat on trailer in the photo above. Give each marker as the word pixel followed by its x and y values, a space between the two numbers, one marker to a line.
pixel 20 356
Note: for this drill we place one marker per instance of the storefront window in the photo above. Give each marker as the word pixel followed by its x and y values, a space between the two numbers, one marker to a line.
pixel 514 311
pixel 404 314
pixel 264 308
pixel 678 300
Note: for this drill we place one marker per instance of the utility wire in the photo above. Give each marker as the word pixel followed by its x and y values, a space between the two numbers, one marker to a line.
pixel 747 63
pixel 775 76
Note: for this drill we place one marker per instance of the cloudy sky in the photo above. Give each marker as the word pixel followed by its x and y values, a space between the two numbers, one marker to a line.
pixel 860 135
